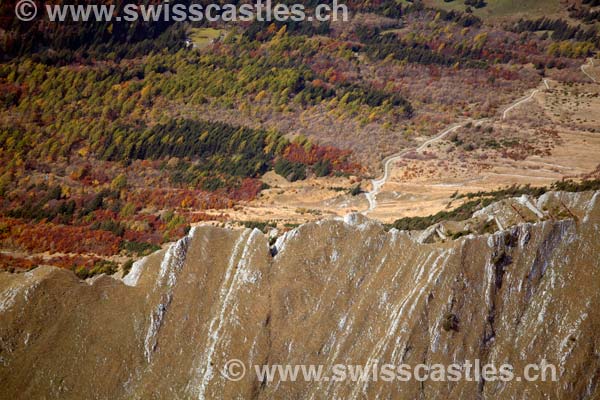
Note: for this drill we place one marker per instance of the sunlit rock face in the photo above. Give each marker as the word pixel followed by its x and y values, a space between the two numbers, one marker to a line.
pixel 332 292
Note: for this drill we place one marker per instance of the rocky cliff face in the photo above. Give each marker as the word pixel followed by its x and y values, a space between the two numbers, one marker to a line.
pixel 335 292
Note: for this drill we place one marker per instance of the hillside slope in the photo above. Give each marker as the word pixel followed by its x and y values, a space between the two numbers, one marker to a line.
pixel 337 291
pixel 506 9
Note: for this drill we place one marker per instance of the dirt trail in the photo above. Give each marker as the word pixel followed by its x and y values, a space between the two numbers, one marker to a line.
pixel 522 101
pixel 590 61
pixel 378 183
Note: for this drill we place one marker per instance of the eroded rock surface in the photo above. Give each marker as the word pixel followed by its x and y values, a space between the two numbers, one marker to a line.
pixel 336 292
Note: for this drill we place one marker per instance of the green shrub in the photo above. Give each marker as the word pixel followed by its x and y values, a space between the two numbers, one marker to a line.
pixel 261 226
pixel 138 248
pixel 356 190
pixel 461 213
pixel 100 267
pixel 450 322
pixel 115 227
pixel 572 186
pixel 290 170
pixel 127 266
pixel 322 168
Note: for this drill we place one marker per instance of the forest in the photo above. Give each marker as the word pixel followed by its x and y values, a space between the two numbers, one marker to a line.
pixel 115 139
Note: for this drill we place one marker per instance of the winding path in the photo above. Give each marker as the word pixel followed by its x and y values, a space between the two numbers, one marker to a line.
pixel 591 61
pixel 518 103
pixel 377 184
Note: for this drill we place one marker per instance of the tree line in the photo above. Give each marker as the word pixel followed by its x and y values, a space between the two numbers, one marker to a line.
pixel 561 29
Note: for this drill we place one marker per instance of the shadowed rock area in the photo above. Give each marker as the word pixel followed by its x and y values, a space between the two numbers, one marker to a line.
pixel 336 292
